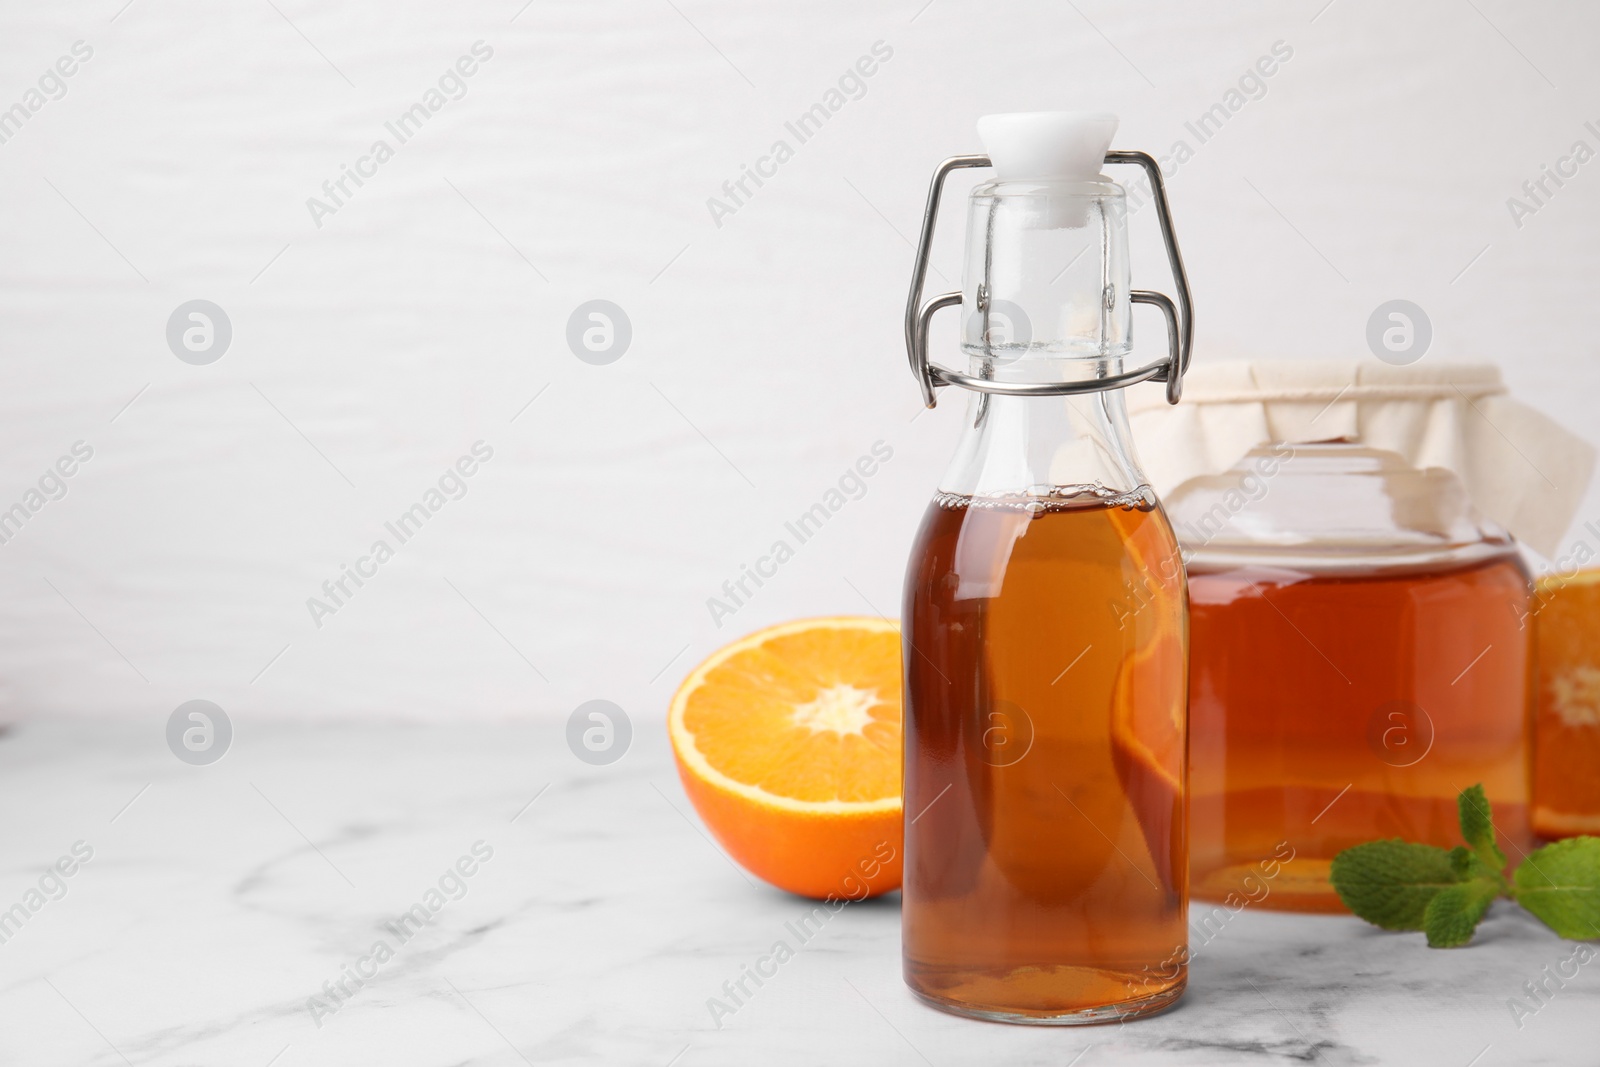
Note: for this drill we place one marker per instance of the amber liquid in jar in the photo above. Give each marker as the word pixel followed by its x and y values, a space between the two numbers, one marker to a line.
pixel 1046 863
pixel 1328 709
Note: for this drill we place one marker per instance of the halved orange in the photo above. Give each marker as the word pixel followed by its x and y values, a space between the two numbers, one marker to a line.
pixel 788 744
pixel 1566 766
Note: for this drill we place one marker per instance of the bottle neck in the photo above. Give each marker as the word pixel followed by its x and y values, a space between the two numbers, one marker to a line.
pixel 1046 298
pixel 1046 448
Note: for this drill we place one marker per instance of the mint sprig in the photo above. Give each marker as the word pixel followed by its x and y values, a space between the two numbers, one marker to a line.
pixel 1402 885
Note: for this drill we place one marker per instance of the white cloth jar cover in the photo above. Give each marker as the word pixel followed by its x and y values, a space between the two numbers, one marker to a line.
pixel 1520 468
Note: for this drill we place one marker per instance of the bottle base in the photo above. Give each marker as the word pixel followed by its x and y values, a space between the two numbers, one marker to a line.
pixel 1095 1015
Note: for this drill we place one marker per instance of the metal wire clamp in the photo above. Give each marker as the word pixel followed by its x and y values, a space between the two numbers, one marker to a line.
pixel 1180 319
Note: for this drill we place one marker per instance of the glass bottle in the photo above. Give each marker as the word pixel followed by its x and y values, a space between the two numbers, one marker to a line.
pixel 1046 870
pixel 1360 653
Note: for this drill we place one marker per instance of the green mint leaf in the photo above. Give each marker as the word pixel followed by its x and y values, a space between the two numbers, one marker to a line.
pixel 1560 884
pixel 1391 883
pixel 1477 827
pixel 1454 913
pixel 1468 865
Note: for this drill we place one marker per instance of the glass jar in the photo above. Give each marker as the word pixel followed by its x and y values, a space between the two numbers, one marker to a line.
pixel 1358 657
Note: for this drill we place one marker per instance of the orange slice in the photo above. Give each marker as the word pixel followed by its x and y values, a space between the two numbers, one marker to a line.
pixel 1148 711
pixel 788 744
pixel 1566 767
pixel 1149 718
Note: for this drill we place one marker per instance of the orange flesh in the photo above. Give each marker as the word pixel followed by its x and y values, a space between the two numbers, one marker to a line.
pixel 1566 796
pixel 765 716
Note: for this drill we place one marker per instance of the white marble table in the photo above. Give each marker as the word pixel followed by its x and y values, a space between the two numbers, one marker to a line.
pixel 223 897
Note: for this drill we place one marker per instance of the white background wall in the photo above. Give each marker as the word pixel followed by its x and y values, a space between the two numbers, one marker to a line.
pixel 371 352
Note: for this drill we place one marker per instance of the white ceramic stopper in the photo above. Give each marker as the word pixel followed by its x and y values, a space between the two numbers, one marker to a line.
pixel 1047 145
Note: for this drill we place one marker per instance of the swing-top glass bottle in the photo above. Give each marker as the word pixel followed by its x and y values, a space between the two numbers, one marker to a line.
pixel 1045 616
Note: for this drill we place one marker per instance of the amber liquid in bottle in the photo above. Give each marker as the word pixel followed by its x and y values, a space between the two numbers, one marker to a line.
pixel 1046 860
pixel 1331 709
